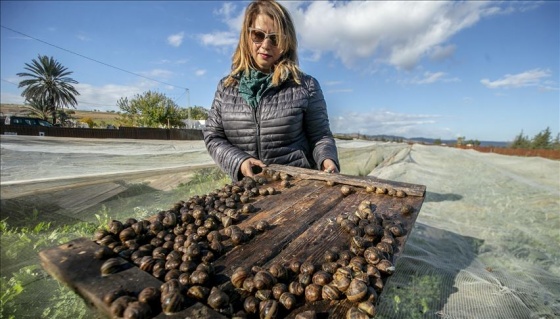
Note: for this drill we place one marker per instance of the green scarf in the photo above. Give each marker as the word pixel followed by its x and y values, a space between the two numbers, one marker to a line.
pixel 253 85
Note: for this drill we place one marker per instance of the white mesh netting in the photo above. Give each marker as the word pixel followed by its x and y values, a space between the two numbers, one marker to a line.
pixel 486 243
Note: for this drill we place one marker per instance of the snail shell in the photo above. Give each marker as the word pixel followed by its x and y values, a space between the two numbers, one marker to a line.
pixel 262 225
pixel 103 252
pixel 171 274
pixel 330 267
pixel 307 268
pixel 264 280
pixel 305 279
pixel 370 189
pixel 115 227
pixel 217 299
pixel 249 285
pixel 119 305
pixel 396 230
pixel 268 309
pixel 239 276
pixel 200 277
pixel 384 247
pixel 149 295
pixel 112 295
pixel 263 294
pixel 279 271
pixel 111 266
pixel 288 300
pixel 385 266
pixel 170 286
pixel 322 278
pixel 251 304
pixel 330 292
pixel 296 288
pixel 407 209
pixel 330 256
pixel 372 255
pixel 357 290
pixel 137 310
pixel 313 292
pixel 172 302
pixel 278 290
pixel 309 314
pixel 367 307
pixel 355 313
pixel 346 190
pixel 126 234
pixel 198 292
pixel 100 233
pixel 295 266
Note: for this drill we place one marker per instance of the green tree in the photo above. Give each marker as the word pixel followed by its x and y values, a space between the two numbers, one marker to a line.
pixel 437 141
pixel 542 140
pixel 556 142
pixel 196 113
pixel 48 81
pixel 151 109
pixel 39 108
pixel 521 141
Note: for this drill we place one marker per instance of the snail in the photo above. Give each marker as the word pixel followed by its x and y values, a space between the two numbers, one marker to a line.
pixel 278 290
pixel 137 310
pixel 355 313
pixel 288 300
pixel 308 314
pixel 357 290
pixel 268 309
pixel 111 266
pixel 172 302
pixel 112 295
pixel 322 278
pixel 149 295
pixel 251 304
pixel 119 305
pixel 198 292
pixel 239 276
pixel 346 190
pixel 313 293
pixel 264 280
pixel 217 299
pixel 367 307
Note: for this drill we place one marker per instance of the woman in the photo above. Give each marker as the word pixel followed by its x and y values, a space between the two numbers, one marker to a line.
pixel 266 111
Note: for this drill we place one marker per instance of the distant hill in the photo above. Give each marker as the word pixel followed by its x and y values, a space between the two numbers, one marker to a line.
pixel 421 140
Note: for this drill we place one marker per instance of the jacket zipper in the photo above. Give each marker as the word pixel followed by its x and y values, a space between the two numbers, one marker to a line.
pixel 256 115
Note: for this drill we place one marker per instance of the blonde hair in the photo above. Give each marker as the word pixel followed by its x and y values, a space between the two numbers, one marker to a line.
pixel 242 60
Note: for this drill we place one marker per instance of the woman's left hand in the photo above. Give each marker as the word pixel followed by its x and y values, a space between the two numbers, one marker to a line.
pixel 329 166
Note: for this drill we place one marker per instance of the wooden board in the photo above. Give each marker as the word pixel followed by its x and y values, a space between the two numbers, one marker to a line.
pixel 303 226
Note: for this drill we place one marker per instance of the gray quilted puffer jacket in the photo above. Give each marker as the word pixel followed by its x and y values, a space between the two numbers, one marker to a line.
pixel 290 126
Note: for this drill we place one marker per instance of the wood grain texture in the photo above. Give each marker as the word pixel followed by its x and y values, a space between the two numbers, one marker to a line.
pixel 303 227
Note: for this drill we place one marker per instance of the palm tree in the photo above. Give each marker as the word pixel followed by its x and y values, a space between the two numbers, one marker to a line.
pixel 39 107
pixel 48 81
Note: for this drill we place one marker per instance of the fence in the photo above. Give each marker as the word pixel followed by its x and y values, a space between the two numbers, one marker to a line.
pixel 551 154
pixel 121 132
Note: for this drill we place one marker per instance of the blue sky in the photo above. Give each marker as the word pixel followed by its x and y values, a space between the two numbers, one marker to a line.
pixel 436 69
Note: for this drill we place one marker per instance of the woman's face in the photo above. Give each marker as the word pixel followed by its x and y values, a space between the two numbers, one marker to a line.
pixel 265 54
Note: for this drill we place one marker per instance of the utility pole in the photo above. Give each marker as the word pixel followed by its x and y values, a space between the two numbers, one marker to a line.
pixel 189 106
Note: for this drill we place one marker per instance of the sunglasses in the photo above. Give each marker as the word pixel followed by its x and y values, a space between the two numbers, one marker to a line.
pixel 258 36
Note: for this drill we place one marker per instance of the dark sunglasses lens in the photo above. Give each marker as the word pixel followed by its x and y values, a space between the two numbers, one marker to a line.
pixel 257 36
pixel 273 39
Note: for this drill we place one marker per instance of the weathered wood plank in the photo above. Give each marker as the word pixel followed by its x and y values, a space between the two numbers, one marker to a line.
pixel 303 226
pixel 74 264
pixel 303 173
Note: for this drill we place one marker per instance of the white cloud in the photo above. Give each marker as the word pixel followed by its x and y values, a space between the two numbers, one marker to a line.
pixel 219 39
pixel 104 98
pixel 532 77
pixel 431 77
pixel 362 33
pixel 176 39
pixel 158 73
pixel 378 122
pixel 200 72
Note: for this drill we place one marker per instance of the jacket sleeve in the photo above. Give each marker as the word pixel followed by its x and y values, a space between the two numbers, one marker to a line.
pixel 225 154
pixel 317 126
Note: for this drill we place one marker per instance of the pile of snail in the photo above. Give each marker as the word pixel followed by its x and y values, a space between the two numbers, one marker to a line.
pixel 178 247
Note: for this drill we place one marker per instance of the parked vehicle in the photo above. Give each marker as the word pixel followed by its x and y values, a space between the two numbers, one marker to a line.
pixel 20 120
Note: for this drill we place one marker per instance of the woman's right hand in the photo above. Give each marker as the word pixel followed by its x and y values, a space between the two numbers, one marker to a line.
pixel 248 164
